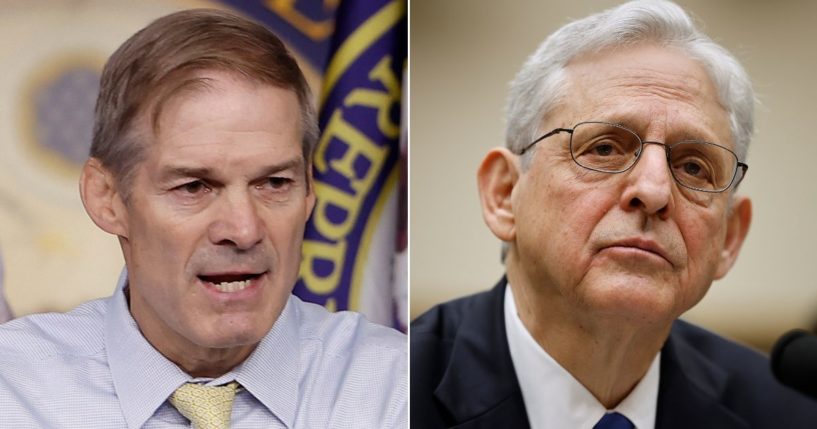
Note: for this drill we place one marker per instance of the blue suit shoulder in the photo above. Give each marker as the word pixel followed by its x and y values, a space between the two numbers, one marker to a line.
pixel 461 369
pixel 442 321
pixel 434 332
pixel 738 376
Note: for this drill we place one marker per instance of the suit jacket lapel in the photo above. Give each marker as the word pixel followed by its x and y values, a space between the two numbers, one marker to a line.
pixel 479 386
pixel 691 390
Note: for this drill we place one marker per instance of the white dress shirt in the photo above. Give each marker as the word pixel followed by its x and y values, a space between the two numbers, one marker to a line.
pixel 554 399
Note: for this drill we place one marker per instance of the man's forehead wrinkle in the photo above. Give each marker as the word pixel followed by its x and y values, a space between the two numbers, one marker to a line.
pixel 641 81
pixel 635 81
pixel 647 86
pixel 181 141
pixel 191 128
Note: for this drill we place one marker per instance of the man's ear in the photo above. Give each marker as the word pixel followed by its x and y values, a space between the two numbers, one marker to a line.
pixel 737 227
pixel 496 178
pixel 102 199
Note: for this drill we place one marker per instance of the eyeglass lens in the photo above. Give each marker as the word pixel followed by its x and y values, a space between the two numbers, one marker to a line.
pixel 613 149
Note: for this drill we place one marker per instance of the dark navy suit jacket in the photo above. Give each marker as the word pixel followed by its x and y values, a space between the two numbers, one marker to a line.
pixel 462 376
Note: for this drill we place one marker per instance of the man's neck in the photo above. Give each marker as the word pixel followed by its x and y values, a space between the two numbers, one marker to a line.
pixel 607 356
pixel 195 360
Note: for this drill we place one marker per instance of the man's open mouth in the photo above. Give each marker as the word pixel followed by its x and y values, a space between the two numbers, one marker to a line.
pixel 230 282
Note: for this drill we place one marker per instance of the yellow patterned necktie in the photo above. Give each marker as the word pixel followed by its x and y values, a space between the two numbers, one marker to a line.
pixel 207 407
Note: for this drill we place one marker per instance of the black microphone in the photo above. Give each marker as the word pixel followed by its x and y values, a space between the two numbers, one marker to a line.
pixel 794 361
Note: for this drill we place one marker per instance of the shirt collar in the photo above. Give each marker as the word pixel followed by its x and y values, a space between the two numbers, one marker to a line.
pixel 554 398
pixel 641 404
pixel 272 372
pixel 143 378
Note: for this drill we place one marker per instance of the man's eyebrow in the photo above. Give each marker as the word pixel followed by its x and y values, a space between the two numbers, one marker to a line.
pixel 634 123
pixel 296 164
pixel 174 172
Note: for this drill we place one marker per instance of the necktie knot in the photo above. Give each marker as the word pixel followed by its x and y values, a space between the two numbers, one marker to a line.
pixel 207 407
pixel 614 421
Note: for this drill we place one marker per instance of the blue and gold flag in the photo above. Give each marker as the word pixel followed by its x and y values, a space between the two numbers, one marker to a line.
pixel 306 26
pixel 351 240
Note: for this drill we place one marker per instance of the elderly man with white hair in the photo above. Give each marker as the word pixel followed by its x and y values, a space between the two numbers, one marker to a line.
pixel 616 200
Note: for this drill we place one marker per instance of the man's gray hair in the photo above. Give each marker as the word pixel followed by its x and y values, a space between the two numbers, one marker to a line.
pixel 540 84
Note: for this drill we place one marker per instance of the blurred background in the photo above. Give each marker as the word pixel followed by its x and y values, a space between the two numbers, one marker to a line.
pixel 53 51
pixel 463 54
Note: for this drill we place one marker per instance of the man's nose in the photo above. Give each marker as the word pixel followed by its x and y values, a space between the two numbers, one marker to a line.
pixel 649 183
pixel 237 221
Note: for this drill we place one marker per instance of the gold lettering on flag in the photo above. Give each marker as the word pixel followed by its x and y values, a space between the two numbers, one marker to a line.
pixel 358 145
pixel 315 30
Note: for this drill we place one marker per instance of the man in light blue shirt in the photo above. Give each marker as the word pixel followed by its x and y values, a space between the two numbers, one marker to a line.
pixel 201 166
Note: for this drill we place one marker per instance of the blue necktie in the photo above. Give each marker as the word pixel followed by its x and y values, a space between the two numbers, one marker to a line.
pixel 614 421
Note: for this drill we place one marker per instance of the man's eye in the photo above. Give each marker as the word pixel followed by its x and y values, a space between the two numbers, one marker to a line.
pixel 193 188
pixel 603 149
pixel 277 183
pixel 692 168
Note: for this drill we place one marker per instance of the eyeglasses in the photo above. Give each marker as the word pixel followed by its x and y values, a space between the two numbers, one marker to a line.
pixel 612 148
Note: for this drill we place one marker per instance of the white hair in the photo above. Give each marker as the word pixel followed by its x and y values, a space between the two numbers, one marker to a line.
pixel 541 83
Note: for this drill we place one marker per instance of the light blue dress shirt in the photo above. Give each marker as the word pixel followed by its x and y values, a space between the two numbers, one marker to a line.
pixel 92 368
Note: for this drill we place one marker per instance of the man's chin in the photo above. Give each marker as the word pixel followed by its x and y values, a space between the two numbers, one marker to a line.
pixel 234 334
pixel 227 343
pixel 637 300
